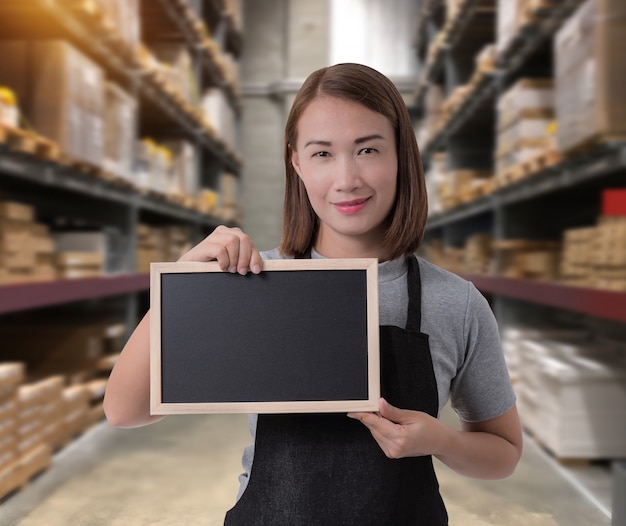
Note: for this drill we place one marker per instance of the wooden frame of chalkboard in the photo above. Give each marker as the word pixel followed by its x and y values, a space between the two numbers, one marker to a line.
pixel 302 336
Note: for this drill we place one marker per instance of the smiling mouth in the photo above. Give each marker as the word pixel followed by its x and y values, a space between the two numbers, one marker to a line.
pixel 351 207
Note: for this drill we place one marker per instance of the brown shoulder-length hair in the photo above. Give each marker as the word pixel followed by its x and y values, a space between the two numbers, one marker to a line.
pixel 375 91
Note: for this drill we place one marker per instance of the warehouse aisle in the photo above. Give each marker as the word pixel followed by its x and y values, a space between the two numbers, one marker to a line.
pixel 183 471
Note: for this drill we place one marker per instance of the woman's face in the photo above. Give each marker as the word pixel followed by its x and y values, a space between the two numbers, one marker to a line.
pixel 346 157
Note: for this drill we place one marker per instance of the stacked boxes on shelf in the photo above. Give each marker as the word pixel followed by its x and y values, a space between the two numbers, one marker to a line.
pixel 91 252
pixel 45 402
pixel 26 247
pixel 576 267
pixel 61 94
pixel 478 254
pixel 229 209
pixel 512 16
pixel 165 243
pixel 525 113
pixel 167 168
pixel 433 114
pixel 595 256
pixel 9 109
pixel 148 248
pixel 176 65
pixel 609 252
pixel 11 376
pixel 528 259
pixel 437 184
pixel 564 383
pixel 590 73
pixel 120 130
pixel 220 115
pixel 182 179
pixel 124 15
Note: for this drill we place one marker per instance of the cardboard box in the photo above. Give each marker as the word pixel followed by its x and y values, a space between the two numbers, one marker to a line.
pixel 55 349
pixel 184 177
pixel 13 211
pixel 120 131
pixel 590 73
pixel 61 93
pixel 527 98
pixel 108 242
pixel 217 111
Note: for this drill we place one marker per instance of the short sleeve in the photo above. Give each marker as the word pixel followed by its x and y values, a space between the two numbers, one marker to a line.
pixel 481 389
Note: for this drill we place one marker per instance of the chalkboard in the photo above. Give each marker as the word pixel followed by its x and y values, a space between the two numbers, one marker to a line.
pixel 301 336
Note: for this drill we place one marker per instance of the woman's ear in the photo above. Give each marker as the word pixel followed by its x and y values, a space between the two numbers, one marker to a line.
pixel 295 160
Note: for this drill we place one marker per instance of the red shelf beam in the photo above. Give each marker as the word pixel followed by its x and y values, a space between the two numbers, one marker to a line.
pixel 594 302
pixel 19 297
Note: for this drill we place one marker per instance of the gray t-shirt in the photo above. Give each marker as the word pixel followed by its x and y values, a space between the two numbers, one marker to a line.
pixel 463 335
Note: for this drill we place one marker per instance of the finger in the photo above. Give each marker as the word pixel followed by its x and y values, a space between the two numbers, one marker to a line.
pixel 394 414
pixel 256 263
pixel 232 245
pixel 246 248
pixel 376 423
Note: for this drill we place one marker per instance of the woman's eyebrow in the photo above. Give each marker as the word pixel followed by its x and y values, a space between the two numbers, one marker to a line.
pixel 318 143
pixel 360 140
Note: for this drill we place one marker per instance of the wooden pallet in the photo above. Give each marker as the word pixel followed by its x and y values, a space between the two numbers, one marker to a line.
pixel 28 142
pixel 528 168
pixel 18 475
pixel 80 165
pixel 593 143
pixel 115 179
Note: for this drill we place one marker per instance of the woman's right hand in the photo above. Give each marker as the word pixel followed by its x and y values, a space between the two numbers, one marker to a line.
pixel 233 250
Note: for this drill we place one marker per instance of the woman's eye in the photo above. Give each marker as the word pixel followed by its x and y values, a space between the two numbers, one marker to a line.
pixel 321 154
pixel 368 150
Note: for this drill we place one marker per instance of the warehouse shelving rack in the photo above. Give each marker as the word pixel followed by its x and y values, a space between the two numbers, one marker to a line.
pixel 58 188
pixel 555 196
pixel 569 189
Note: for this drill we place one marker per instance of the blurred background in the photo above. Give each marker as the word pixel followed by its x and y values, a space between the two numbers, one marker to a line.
pixel 129 129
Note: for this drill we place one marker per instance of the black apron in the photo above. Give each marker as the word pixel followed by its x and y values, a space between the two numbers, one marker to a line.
pixel 327 469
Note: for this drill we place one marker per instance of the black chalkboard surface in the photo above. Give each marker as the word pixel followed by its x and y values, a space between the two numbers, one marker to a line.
pixel 302 336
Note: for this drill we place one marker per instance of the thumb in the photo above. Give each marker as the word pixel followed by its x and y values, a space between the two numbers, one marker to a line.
pixel 394 414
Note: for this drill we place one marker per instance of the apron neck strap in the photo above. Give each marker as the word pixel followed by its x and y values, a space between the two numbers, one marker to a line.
pixel 414 283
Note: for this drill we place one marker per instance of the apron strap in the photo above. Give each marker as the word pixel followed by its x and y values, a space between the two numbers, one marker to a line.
pixel 414 314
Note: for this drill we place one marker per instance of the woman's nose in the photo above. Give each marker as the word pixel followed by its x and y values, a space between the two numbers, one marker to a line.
pixel 347 177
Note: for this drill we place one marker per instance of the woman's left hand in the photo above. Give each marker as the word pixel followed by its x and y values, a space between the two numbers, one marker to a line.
pixel 403 433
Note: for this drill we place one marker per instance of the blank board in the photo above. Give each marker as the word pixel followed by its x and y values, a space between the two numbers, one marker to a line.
pixel 301 337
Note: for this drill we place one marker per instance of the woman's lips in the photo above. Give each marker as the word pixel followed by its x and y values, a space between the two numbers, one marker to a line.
pixel 351 207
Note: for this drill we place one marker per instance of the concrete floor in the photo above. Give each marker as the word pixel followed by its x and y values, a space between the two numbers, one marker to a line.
pixel 183 470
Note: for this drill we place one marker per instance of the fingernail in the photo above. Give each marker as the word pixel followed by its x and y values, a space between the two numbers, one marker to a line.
pixel 243 271
pixel 232 269
pixel 256 269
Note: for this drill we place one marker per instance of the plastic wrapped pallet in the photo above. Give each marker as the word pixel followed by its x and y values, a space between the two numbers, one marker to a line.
pixel 219 113
pixel 183 178
pixel 61 94
pixel 511 16
pixel 124 14
pixel 525 111
pixel 109 242
pixel 583 403
pixel 18 245
pixel 590 73
pixel 120 131
pixel 9 110
pixel 178 68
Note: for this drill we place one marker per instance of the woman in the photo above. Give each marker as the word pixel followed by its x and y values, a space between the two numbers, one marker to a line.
pixel 355 188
